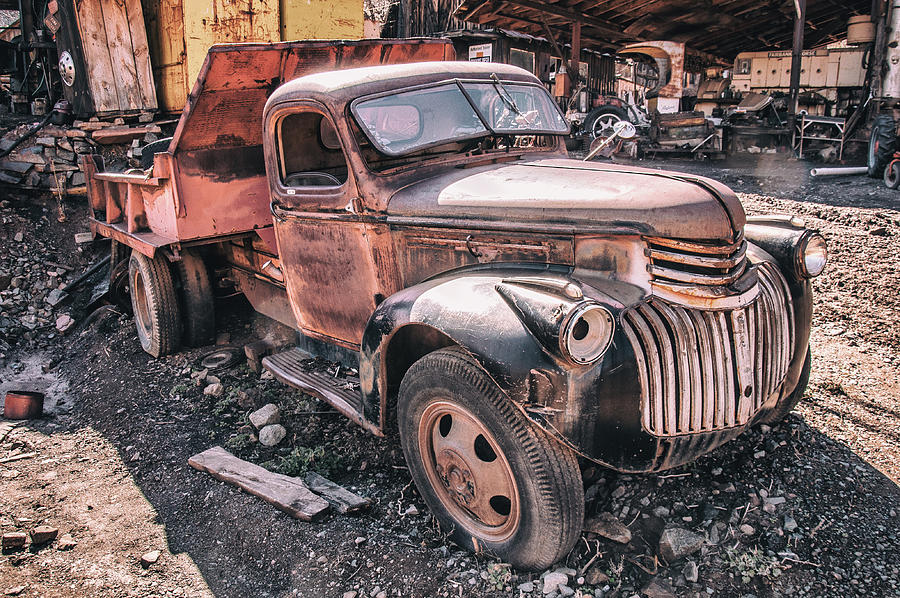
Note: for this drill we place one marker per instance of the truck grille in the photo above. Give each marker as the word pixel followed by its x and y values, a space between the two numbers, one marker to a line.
pixel 688 262
pixel 702 371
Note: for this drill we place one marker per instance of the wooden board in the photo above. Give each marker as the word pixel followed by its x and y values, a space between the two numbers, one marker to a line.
pixel 101 77
pixel 340 498
pixel 121 54
pixel 288 494
pixel 141 54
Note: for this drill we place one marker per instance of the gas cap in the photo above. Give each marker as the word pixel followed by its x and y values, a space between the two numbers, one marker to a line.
pixel 67 68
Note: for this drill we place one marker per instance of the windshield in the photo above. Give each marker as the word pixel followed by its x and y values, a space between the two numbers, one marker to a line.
pixel 408 121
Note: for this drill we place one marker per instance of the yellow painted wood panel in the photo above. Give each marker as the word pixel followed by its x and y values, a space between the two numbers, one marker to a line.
pixel 207 22
pixel 321 19
pixel 165 27
pixel 96 54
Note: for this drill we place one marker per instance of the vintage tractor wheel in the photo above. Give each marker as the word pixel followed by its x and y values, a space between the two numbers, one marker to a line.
pixel 892 174
pixel 497 483
pixel 157 316
pixel 882 142
pixel 785 405
pixel 198 305
pixel 600 121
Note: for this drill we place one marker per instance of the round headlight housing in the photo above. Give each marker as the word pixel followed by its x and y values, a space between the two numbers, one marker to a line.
pixel 587 333
pixel 812 255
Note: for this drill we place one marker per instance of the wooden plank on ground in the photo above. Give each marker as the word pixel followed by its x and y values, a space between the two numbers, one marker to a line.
pixel 121 134
pixel 284 492
pixel 101 77
pixel 118 38
pixel 340 498
pixel 143 70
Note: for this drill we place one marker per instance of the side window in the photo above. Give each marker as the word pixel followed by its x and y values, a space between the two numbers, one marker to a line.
pixel 309 152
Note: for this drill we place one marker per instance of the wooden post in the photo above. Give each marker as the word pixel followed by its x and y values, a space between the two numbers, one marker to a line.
pixel 574 68
pixel 796 58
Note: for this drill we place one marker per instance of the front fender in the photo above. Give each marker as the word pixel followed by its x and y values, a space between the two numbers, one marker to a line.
pixel 504 320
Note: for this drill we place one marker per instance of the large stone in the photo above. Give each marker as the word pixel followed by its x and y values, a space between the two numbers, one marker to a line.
pixel 266 415
pixel 595 576
pixel 272 435
pixel 64 322
pixel 553 580
pixel 609 527
pixel 691 572
pixel 676 543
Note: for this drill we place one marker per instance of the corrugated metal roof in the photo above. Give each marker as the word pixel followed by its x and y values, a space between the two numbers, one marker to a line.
pixel 720 27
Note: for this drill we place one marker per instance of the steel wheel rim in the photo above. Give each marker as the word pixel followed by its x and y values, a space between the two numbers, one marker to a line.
pixel 471 477
pixel 603 126
pixel 140 303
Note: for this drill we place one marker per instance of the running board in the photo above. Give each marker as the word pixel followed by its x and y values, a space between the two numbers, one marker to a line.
pixel 287 367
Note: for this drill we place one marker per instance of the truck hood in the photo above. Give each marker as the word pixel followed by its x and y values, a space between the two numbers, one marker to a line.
pixel 575 196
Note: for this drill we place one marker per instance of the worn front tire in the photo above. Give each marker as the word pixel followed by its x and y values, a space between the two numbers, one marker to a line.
pixel 157 316
pixel 493 480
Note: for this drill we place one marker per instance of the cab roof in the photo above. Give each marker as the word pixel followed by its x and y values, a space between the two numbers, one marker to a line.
pixel 345 85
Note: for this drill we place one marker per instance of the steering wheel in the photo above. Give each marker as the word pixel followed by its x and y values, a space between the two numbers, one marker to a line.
pixel 311 179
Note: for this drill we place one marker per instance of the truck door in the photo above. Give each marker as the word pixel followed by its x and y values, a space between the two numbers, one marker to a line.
pixel 324 245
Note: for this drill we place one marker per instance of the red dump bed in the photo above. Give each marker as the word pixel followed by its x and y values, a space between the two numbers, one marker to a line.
pixel 212 182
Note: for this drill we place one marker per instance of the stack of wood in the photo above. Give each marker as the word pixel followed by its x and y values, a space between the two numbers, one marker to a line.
pixel 50 158
pixel 684 133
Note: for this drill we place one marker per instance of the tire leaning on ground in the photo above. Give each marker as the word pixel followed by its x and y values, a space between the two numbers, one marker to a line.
pixel 198 306
pixel 892 174
pixel 787 404
pixel 157 316
pixel 882 143
pixel 494 481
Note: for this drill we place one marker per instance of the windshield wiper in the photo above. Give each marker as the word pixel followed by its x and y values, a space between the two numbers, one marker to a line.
pixel 504 94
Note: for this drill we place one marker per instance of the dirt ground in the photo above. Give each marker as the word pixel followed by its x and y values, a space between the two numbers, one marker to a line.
pixel 805 508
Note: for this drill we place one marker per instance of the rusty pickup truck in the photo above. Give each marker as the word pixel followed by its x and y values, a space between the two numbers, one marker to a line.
pixel 513 313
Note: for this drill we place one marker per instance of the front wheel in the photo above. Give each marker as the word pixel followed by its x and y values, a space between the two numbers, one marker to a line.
pixel 497 483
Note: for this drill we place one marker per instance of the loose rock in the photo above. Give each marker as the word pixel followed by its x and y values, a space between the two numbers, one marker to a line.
pixel 43 534
pixel 150 558
pixel 658 588
pixel 266 415
pixel 553 580
pixel 676 543
pixel 66 542
pixel 609 527
pixel 214 390
pixel 272 435
pixel 13 540
pixel 691 572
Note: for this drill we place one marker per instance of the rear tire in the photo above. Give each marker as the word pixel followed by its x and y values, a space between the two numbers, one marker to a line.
pixel 599 123
pixel 157 316
pixel 882 143
pixel 493 480
pixel 198 304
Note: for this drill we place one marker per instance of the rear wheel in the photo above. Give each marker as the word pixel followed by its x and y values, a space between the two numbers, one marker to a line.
pixel 882 143
pixel 197 302
pixel 157 316
pixel 493 480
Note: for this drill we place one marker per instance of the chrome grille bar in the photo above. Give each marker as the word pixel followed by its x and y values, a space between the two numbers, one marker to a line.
pixel 689 363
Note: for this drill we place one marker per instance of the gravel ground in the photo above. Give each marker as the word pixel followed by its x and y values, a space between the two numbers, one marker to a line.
pixel 805 508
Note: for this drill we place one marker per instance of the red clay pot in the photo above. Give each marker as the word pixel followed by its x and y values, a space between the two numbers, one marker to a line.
pixel 22 404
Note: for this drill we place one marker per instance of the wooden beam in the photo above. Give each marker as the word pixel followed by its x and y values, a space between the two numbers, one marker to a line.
pixel 604 27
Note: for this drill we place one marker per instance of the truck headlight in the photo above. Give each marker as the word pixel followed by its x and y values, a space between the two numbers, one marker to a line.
pixel 587 333
pixel 811 255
